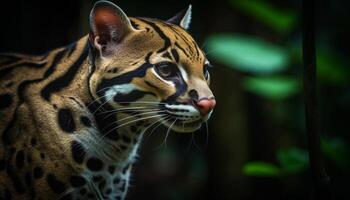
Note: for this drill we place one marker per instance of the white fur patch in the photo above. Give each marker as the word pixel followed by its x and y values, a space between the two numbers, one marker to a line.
pixel 186 20
pixel 167 82
pixel 183 73
pixel 119 89
pixel 190 110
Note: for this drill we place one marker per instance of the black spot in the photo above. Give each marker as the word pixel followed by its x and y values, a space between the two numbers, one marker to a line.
pixel 83 191
pixel 118 198
pixel 38 172
pixel 5 100
pixel 193 95
pixel 20 159
pixel 116 180
pixel 175 54
pixel 108 191
pixel 78 152
pixel 33 142
pixel 114 70
pixel 129 97
pixel 56 185
pixel 111 169
pixel 94 164
pixel 134 25
pixel 166 55
pixel 126 77
pixel 16 181
pixel 66 120
pixel 102 185
pixel 126 139
pixel 42 156
pixel 77 181
pixel 86 121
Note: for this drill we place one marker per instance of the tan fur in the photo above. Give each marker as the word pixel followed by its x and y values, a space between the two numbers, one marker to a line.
pixel 35 117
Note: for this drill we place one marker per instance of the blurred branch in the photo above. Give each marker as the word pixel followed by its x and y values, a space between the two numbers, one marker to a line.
pixel 320 177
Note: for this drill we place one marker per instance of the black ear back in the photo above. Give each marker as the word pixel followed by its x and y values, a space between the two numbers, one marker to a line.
pixel 183 18
pixel 108 25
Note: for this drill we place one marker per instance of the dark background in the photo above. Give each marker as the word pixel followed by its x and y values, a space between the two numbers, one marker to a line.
pixel 256 146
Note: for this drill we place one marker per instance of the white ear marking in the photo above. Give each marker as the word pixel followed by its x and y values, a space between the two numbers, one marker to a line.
pixel 186 20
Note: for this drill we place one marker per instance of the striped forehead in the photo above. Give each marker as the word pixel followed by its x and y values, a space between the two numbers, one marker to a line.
pixel 176 39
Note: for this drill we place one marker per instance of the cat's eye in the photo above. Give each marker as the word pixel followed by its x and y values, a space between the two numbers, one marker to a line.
pixel 206 71
pixel 166 70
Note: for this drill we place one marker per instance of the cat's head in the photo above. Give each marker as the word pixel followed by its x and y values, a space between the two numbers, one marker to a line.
pixel 151 66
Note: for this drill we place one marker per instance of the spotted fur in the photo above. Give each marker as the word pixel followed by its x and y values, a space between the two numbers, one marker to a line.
pixel 71 120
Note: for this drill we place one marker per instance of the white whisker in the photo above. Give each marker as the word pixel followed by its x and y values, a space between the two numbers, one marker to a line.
pixel 102 105
pixel 149 117
pixel 140 114
pixel 166 119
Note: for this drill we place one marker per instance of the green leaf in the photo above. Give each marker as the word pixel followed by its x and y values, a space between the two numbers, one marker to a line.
pixel 261 169
pixel 247 54
pixel 275 88
pixel 337 150
pixel 293 160
pixel 331 68
pixel 280 20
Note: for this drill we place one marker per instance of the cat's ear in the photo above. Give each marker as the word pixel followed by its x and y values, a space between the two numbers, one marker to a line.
pixel 109 25
pixel 183 18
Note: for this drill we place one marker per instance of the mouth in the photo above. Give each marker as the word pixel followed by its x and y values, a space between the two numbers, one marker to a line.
pixel 183 118
pixel 184 125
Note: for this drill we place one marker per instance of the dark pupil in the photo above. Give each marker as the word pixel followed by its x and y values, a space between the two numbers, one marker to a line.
pixel 165 70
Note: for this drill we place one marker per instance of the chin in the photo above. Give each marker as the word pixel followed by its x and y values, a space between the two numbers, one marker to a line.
pixel 183 126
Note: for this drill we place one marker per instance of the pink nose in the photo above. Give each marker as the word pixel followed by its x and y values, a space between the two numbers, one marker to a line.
pixel 205 105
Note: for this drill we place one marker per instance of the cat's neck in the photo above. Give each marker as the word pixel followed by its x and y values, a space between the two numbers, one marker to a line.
pixel 113 136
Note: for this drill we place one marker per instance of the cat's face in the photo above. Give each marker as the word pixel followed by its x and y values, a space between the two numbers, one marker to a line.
pixel 152 67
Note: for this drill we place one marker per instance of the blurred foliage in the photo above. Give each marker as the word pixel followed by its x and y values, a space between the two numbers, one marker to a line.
pixel 275 88
pixel 295 160
pixel 331 68
pixel 338 151
pixel 261 169
pixel 280 20
pixel 273 72
pixel 290 161
pixel 247 54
